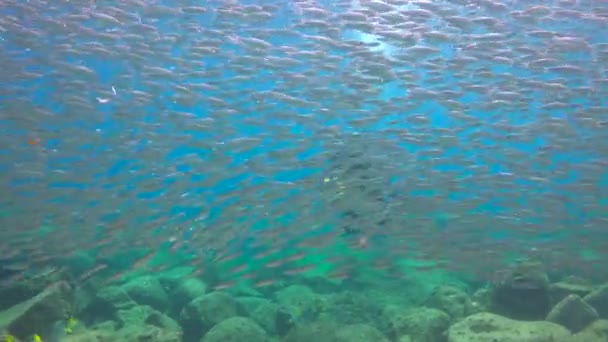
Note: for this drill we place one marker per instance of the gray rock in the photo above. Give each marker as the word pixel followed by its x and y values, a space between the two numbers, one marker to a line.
pixel 450 300
pixel 573 313
pixel 359 333
pixel 283 322
pixel 350 307
pixel 184 292
pixel 38 314
pixel 236 329
pixel 481 301
pixel 523 293
pixel 204 312
pixel 265 313
pixel 598 299
pixel 567 286
pixel 318 331
pixel 488 327
pixel 106 303
pixel 421 324
pixel 147 290
pixel 300 301
pixel 594 332
pixel 143 315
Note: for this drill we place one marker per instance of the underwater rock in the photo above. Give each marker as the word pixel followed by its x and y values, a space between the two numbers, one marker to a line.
pixel 262 311
pixel 136 323
pixel 359 333
pixel 421 324
pixel 487 327
pixel 236 329
pixel 38 314
pixel 283 322
pixel 350 307
pixel 573 313
pixel 598 299
pixel 142 315
pixel 204 312
pixel 250 304
pixel 130 333
pixel 594 332
pixel 186 291
pixel 300 301
pixel 106 304
pixel 450 300
pixel 567 286
pixel 13 293
pixel 147 290
pixel 523 293
pixel 318 331
pixel 481 301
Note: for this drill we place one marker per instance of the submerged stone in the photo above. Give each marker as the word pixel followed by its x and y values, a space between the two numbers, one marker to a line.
pixel 523 293
pixel 594 332
pixel 451 300
pixel 147 290
pixel 236 329
pixel 359 333
pixel 420 324
pixel 567 286
pixel 598 299
pixel 204 312
pixel 488 327
pixel 38 314
pixel 573 313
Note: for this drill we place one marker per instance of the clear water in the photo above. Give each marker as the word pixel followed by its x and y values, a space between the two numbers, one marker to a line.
pixel 367 150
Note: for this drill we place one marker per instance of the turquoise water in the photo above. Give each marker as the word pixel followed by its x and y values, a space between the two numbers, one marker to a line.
pixel 351 157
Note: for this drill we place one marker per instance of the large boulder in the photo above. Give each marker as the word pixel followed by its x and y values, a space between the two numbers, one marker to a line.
pixel 481 300
pixel 573 313
pixel 147 290
pixel 15 292
pixel 204 312
pixel 359 333
pixel 349 308
pixel 143 315
pixel 452 301
pixel 236 329
pixel 300 301
pixel 106 303
pixel 270 316
pixel 38 314
pixel 567 286
pixel 594 332
pixel 486 327
pixel 420 324
pixel 185 291
pixel 598 299
pixel 523 293
pixel 318 331
pixel 131 333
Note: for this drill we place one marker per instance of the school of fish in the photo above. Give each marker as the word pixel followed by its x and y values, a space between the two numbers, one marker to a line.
pixel 274 138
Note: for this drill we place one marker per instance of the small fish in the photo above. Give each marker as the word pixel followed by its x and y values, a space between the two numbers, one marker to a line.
pixel 224 286
pixel 362 243
pixel 264 283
